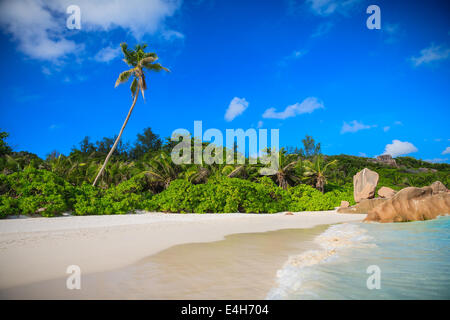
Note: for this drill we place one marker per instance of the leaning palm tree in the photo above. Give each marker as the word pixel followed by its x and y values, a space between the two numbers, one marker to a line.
pixel 138 60
pixel 316 172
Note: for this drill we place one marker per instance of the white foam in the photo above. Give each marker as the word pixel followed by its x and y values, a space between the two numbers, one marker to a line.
pixel 298 268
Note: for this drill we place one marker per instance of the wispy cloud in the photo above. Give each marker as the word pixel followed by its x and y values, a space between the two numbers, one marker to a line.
pixel 308 105
pixel 171 35
pixel 354 126
pixel 446 151
pixel 431 54
pixel 293 56
pixel 386 129
pixel 107 54
pixel 392 32
pixel 398 148
pixel 436 160
pixel 329 7
pixel 322 29
pixel 236 107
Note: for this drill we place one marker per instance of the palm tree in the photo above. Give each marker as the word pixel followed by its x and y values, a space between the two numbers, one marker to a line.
pixel 138 60
pixel 316 172
pixel 161 171
pixel 287 172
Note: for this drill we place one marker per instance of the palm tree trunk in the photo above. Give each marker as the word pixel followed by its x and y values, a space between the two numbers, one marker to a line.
pixel 118 138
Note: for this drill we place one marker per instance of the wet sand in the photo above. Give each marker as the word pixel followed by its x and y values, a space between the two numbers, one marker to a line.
pixel 154 256
pixel 243 266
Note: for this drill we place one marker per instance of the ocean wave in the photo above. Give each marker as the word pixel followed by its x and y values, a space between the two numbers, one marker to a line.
pixel 293 278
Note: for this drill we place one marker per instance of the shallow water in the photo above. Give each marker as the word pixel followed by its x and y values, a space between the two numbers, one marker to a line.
pixel 413 260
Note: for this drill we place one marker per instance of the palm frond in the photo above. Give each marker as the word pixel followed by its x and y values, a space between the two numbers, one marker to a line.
pixel 133 87
pixel 123 77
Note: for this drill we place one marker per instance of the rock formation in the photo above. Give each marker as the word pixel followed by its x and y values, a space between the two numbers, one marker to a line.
pixel 438 187
pixel 385 192
pixel 362 207
pixel 412 204
pixel 364 184
pixel 344 204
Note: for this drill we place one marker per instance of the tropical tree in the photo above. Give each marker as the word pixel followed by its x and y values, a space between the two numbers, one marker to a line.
pixel 138 60
pixel 161 171
pixel 316 172
pixel 287 172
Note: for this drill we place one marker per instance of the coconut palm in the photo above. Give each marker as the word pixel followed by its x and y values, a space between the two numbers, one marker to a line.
pixel 316 172
pixel 287 173
pixel 138 60
pixel 161 171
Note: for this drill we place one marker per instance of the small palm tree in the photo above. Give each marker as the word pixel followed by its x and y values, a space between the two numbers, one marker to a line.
pixel 138 60
pixel 161 171
pixel 316 172
pixel 287 172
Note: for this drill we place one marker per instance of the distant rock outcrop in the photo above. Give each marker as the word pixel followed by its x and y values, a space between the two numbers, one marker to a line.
pixel 364 184
pixel 412 204
pixel 385 159
pixel 385 192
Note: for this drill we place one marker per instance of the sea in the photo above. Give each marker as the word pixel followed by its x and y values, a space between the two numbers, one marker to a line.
pixel 371 261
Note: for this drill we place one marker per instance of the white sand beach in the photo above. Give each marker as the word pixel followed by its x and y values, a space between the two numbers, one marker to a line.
pixel 39 249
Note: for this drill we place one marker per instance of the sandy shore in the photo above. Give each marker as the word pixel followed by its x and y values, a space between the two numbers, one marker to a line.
pixel 38 249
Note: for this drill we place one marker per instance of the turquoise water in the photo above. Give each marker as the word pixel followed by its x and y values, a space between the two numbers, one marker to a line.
pixel 413 259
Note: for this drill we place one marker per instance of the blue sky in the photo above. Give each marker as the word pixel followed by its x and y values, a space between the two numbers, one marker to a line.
pixel 305 67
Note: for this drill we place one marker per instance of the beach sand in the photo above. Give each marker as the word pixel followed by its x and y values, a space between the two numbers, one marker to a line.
pixel 154 255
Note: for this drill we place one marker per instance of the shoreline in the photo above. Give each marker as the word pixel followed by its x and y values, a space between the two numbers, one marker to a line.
pixel 39 249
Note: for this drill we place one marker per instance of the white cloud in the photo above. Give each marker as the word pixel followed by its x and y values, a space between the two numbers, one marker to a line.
pixel 362 154
pixel 398 148
pixel 354 126
pixel 436 160
pixel 431 54
pixel 307 106
pixel 39 27
pixel 260 124
pixel 386 129
pixel 107 54
pixel 237 107
pixel 35 29
pixel 329 7
pixel 398 123
pixel 446 151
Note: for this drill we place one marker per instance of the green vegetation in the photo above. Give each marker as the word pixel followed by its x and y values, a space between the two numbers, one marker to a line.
pixel 141 176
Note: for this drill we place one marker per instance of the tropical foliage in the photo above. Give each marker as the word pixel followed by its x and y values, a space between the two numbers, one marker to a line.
pixel 142 176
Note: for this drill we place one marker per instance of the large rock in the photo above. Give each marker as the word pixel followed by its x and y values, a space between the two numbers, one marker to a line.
pixel 411 204
pixel 438 187
pixel 362 207
pixel 386 192
pixel 364 184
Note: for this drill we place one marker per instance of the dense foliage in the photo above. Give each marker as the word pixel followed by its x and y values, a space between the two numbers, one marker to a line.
pixel 142 177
